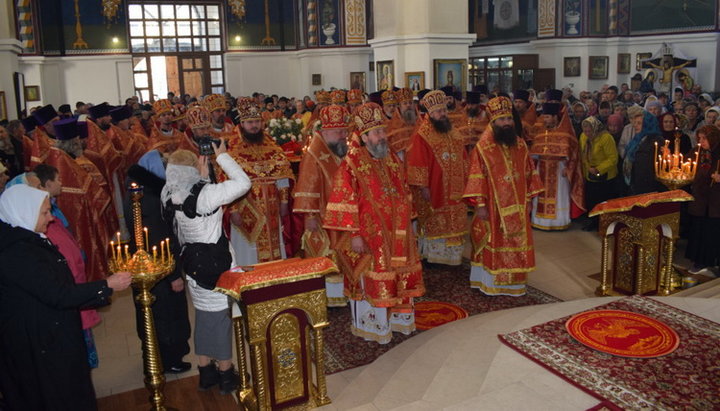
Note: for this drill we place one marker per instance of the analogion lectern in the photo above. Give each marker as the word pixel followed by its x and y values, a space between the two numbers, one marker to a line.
pixel 645 228
pixel 283 307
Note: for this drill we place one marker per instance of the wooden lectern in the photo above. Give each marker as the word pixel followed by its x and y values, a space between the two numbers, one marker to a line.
pixel 644 228
pixel 283 306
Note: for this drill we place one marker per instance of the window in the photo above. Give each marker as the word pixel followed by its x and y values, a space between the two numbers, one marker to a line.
pixel 176 48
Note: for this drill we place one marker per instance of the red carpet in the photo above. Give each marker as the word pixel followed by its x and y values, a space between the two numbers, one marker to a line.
pixel 686 378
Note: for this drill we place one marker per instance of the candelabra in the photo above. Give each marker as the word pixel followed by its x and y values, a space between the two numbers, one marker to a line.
pixel 671 169
pixel 146 271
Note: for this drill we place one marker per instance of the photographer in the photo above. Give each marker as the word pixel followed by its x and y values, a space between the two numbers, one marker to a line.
pixel 196 207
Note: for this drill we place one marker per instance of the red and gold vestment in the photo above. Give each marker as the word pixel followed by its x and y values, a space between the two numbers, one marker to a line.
pixel 371 199
pixel 439 161
pixel 264 163
pixel 503 179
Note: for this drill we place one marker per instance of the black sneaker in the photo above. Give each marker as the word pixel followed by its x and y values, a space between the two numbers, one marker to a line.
pixel 179 368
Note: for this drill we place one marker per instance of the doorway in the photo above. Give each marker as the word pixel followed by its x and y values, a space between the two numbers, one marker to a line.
pixel 176 48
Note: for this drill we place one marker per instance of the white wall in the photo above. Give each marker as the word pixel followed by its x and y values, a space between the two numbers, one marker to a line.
pixel 93 79
pixel 417 52
pixel 703 46
pixel 289 73
pixel 9 49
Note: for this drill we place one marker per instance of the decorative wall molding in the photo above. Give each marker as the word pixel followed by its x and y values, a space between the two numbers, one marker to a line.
pixel 546 18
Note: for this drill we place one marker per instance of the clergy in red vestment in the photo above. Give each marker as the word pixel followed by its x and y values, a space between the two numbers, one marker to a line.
pixel 164 137
pixel 217 106
pixel 338 97
pixel 320 162
pixel 403 123
pixel 371 200
pixel 44 135
pixel 437 171
pixel 322 99
pixel 78 205
pixel 354 99
pixel 477 119
pixel 502 182
pixel 133 145
pixel 528 115
pixel 256 234
pixel 270 112
pixel 557 154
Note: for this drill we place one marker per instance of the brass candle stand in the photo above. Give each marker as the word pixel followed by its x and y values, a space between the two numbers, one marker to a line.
pixel 670 168
pixel 146 271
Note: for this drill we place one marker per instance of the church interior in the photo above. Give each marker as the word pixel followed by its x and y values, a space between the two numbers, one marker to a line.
pixel 94 51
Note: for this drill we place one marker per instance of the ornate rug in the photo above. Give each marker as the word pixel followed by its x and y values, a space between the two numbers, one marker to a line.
pixel 443 284
pixel 687 378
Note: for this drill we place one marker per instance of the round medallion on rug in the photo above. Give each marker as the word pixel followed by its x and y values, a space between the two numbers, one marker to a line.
pixel 430 314
pixel 623 333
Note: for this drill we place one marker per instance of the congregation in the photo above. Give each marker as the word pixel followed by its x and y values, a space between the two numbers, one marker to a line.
pixel 386 184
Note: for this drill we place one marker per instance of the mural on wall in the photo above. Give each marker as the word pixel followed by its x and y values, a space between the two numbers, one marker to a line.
pixel 25 27
pixel 495 21
pixel 649 16
pixel 261 24
pixel 597 22
pixel 573 17
pixel 83 26
pixel 546 18
pixel 355 33
pixel 329 22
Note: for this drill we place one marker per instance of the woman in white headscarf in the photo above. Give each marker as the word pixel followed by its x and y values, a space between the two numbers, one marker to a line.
pixel 43 357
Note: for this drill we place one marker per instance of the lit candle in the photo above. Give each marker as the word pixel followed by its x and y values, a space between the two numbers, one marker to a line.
pixel 112 249
pixel 167 244
pixel 155 253
pixel 118 237
pixel 147 243
pixel 697 156
pixel 656 167
pixel 119 254
pixel 162 251
pixel 127 252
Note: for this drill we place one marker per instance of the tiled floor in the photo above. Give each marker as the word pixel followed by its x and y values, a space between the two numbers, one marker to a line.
pixel 443 379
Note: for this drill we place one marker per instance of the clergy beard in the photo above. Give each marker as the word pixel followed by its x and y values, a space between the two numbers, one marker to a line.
pixel 409 116
pixel 451 106
pixel 379 150
pixel 473 111
pixel 505 135
pixel 104 126
pixel 254 138
pixel 441 126
pixel 340 148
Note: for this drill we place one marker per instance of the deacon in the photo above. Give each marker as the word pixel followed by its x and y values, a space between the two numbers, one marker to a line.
pixel 217 106
pixel 477 119
pixel 557 154
pixel 437 169
pixel 527 113
pixel 317 169
pixel 403 123
pixel 371 200
pixel 502 182
pixel 163 136
pixel 257 233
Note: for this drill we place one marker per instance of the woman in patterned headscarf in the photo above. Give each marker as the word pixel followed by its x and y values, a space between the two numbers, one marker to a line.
pixel 599 164
pixel 638 163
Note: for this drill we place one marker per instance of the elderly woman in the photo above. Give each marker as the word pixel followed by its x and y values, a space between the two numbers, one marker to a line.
pixel 703 247
pixel 638 162
pixel 599 165
pixel 43 358
pixel 669 125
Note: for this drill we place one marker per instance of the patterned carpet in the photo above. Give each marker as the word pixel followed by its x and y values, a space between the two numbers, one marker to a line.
pixel 688 378
pixel 449 284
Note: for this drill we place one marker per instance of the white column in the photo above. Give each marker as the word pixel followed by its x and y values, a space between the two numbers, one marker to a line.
pixel 9 50
pixel 412 33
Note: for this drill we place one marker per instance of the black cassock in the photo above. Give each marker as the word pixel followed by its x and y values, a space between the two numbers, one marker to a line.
pixel 43 357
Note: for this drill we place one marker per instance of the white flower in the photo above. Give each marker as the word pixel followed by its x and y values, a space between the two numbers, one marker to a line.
pixel 273 122
pixel 293 138
pixel 299 121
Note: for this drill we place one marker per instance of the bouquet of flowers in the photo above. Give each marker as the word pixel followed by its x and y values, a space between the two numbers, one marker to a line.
pixel 287 134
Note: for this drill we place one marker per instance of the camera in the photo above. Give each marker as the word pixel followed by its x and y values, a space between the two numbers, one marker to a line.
pixel 205 144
